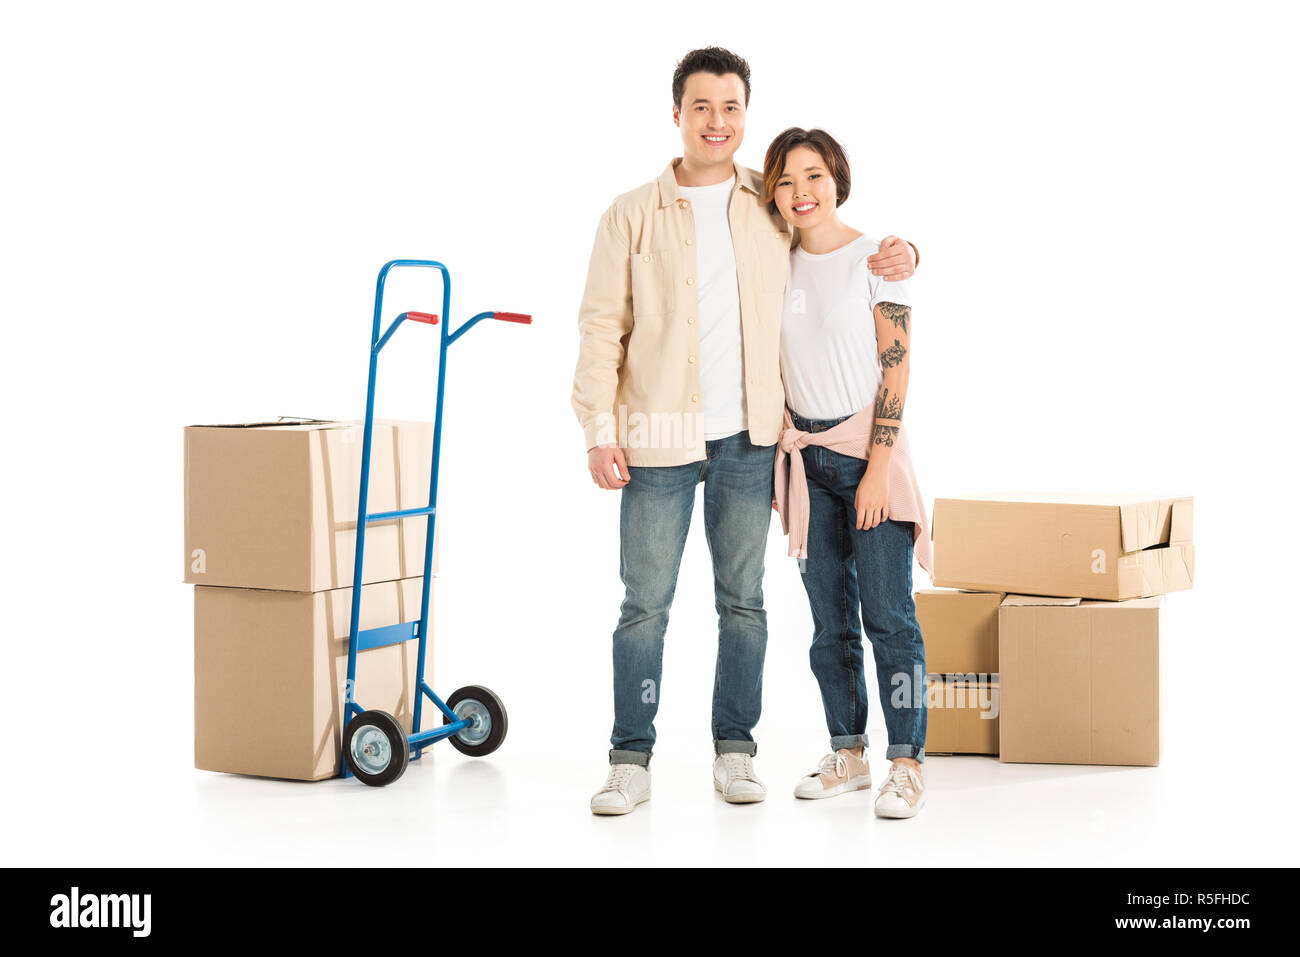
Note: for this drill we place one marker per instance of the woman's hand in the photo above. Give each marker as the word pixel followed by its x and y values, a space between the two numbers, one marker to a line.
pixel 872 498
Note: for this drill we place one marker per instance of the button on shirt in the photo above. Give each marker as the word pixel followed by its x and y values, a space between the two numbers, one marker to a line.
pixel 722 379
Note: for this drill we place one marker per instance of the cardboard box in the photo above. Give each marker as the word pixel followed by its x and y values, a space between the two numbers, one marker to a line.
pixel 270 669
pixel 1080 680
pixel 1091 546
pixel 960 630
pixel 274 505
pixel 962 715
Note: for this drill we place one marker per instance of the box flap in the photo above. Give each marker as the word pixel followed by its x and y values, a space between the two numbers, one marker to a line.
pixel 283 422
pixel 1157 521
pixel 1104 499
pixel 1016 600
pixel 959 591
pixel 1152 602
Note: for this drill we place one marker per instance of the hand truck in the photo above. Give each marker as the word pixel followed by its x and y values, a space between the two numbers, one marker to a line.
pixel 376 748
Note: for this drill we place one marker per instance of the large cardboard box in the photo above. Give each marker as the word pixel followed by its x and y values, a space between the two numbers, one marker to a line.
pixel 270 669
pixel 1080 680
pixel 962 714
pixel 960 630
pixel 1090 546
pixel 274 505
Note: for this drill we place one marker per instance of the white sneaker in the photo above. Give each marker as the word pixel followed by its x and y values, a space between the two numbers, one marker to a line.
pixel 626 786
pixel 734 779
pixel 837 773
pixel 902 794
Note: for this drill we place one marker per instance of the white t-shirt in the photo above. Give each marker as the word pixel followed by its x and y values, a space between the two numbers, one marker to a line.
pixel 830 360
pixel 721 358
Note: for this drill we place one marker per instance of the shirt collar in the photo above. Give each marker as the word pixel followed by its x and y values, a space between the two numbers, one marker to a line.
pixel 668 193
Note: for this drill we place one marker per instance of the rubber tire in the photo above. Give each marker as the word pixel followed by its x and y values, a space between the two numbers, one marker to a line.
pixel 397 741
pixel 496 711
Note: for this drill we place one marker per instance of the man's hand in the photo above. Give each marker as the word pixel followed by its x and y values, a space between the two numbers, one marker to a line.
pixel 895 261
pixel 872 498
pixel 602 461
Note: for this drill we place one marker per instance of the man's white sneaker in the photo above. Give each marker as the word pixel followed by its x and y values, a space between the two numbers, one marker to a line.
pixel 902 794
pixel 837 773
pixel 734 779
pixel 626 786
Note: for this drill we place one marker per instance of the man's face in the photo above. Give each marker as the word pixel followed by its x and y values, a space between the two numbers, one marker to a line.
pixel 711 117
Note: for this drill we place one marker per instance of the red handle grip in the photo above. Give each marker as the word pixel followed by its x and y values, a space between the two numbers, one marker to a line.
pixel 512 316
pixel 428 317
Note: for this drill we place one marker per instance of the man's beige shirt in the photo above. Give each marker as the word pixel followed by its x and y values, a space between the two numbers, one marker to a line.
pixel 637 381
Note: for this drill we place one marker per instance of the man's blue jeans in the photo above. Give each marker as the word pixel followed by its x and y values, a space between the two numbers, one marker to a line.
pixel 654 517
pixel 868 569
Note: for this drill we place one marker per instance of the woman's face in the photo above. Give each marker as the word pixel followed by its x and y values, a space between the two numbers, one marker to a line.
pixel 805 192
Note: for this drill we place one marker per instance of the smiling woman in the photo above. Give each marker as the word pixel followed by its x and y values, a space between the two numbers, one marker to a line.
pixel 845 487
pixel 823 159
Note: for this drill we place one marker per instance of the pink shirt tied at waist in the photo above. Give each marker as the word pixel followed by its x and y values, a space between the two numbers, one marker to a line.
pixel 851 437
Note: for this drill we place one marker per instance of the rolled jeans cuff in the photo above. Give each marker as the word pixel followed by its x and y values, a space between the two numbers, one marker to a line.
pixel 905 751
pixel 848 741
pixel 735 747
pixel 629 757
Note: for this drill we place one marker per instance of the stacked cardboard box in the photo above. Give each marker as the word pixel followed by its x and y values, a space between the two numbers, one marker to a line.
pixel 270 535
pixel 961 655
pixel 1079 581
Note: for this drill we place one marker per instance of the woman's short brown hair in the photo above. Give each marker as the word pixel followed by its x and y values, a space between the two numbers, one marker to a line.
pixel 832 154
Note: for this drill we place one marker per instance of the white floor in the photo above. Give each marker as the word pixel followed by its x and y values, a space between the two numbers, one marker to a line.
pixel 101 771
pixel 528 805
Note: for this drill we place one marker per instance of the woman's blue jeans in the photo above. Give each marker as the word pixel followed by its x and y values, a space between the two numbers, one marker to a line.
pixel 655 515
pixel 858 578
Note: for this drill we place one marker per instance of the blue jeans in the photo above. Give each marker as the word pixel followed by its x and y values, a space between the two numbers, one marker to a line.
pixel 851 569
pixel 654 517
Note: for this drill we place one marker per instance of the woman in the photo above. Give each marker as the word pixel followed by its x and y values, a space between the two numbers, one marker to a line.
pixel 845 488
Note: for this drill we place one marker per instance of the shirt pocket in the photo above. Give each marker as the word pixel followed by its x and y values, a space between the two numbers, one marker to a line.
pixel 653 273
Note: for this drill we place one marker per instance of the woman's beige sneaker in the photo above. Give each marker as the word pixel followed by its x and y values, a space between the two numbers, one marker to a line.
pixel 626 786
pixel 837 773
pixel 902 794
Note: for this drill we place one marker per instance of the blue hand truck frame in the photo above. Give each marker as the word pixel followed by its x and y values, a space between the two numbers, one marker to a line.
pixel 376 747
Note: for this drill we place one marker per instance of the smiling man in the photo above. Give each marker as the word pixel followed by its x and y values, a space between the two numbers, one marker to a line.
pixel 678 383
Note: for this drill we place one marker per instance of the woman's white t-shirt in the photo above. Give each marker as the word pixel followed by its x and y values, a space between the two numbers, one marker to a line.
pixel 830 360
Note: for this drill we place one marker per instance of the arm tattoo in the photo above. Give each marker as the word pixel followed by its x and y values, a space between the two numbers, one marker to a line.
pixel 889 406
pixel 898 315
pixel 893 355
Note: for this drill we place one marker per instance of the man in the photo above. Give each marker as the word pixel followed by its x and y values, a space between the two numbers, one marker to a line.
pixel 677 383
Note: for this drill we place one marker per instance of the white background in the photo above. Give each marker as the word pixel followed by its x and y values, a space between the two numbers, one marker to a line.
pixel 197 197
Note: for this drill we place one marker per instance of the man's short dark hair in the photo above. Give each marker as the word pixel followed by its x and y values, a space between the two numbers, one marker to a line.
pixel 713 60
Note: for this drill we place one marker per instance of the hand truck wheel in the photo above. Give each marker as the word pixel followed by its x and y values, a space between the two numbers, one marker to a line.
pixel 487 716
pixel 376 748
